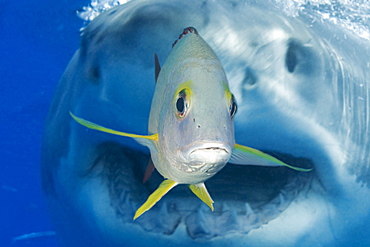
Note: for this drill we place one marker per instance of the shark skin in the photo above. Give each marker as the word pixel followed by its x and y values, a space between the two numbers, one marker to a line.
pixel 301 92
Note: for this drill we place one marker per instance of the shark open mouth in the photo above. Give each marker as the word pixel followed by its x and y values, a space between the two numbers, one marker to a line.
pixel 246 197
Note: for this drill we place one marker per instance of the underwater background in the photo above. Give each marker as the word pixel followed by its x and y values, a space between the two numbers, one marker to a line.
pixel 37 40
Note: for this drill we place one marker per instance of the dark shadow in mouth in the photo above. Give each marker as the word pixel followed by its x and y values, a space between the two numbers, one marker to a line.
pixel 246 197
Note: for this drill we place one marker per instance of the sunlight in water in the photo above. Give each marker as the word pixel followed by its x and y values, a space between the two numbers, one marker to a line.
pixel 97 7
pixel 350 14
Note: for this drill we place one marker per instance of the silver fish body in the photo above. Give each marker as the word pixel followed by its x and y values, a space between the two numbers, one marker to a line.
pixel 196 145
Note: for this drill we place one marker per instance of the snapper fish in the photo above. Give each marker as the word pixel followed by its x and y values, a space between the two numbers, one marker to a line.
pixel 191 126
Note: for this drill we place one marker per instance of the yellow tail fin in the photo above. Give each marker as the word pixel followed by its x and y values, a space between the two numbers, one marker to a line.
pixel 200 191
pixel 163 188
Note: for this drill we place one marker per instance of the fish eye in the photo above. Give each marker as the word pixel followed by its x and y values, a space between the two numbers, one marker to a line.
pixel 181 103
pixel 233 106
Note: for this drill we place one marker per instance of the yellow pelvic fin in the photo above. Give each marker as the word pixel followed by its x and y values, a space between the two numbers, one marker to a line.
pixel 200 191
pixel 94 126
pixel 163 188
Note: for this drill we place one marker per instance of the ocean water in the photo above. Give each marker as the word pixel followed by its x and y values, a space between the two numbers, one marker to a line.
pixel 37 40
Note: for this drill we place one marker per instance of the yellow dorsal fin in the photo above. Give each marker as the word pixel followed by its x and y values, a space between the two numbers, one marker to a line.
pixel 94 126
pixel 200 191
pixel 163 188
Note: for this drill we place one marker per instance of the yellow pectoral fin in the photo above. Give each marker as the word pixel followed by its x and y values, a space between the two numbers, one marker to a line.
pixel 94 126
pixel 200 191
pixel 163 188
pixel 243 155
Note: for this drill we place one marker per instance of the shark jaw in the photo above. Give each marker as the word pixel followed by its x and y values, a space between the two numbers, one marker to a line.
pixel 246 197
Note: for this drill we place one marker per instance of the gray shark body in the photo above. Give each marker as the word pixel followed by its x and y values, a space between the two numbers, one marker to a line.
pixel 302 89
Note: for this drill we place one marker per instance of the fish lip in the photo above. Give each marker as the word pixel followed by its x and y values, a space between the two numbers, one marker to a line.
pixel 205 145
pixel 211 148
pixel 206 157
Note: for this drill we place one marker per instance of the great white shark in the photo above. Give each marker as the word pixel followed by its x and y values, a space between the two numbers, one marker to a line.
pixel 302 89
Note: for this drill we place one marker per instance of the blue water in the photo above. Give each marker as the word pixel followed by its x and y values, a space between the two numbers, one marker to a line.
pixel 37 39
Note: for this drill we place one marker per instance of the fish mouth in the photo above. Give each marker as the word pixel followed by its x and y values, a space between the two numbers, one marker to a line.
pixel 245 197
pixel 209 160
pixel 205 157
pixel 205 146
